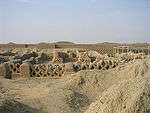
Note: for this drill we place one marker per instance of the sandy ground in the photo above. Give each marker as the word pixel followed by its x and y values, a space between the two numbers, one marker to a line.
pixel 124 89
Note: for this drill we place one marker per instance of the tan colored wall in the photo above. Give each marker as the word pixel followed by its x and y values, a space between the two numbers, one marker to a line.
pixel 103 48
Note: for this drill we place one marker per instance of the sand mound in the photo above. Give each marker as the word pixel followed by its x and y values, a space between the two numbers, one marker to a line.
pixel 131 96
pixel 126 89
pixel 92 82
pixel 134 68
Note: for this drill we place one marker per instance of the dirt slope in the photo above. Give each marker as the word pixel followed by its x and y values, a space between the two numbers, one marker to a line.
pixel 124 89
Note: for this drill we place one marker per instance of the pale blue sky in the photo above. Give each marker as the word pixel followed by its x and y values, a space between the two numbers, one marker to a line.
pixel 84 21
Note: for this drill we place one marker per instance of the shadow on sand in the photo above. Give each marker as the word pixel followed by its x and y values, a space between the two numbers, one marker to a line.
pixel 10 106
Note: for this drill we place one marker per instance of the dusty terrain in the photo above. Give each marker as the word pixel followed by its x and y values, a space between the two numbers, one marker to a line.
pixel 73 81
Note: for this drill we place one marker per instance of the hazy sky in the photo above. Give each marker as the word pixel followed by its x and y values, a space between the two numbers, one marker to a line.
pixel 85 21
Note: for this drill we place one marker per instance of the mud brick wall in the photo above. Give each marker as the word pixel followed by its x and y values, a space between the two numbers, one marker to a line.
pixel 101 48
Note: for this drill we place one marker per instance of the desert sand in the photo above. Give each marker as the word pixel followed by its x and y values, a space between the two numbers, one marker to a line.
pixel 73 81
